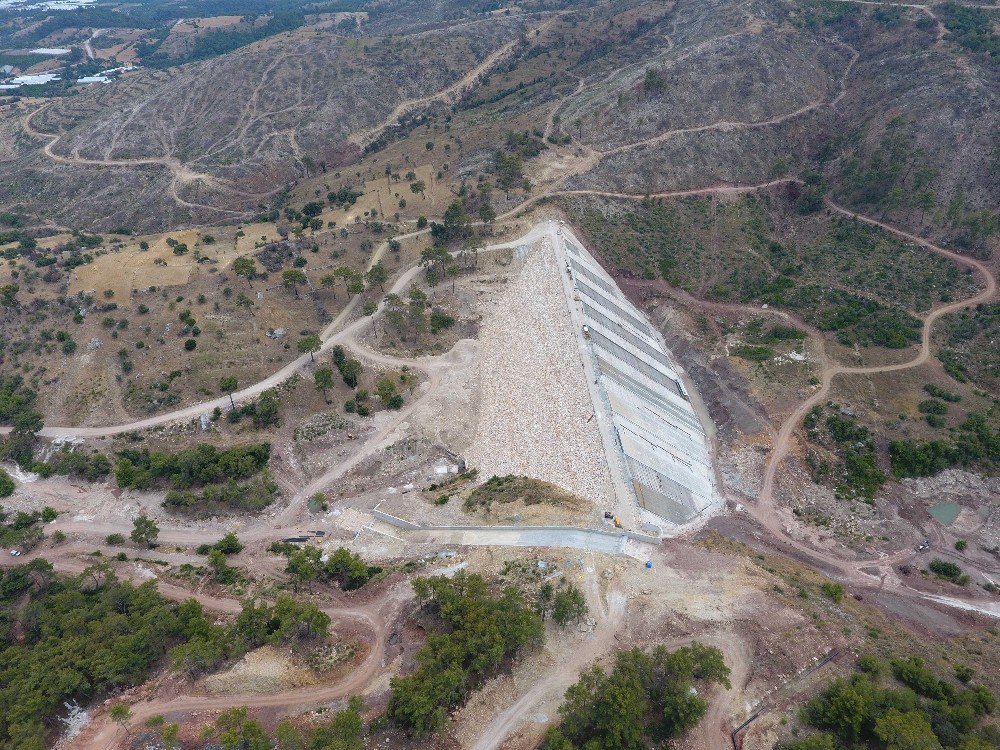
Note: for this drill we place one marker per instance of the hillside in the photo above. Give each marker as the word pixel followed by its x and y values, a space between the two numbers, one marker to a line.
pixel 212 140
pixel 480 374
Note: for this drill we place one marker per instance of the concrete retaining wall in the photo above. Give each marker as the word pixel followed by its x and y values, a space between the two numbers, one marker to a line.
pixel 394 521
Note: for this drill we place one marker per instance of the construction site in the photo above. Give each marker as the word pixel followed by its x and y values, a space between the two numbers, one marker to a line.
pixel 602 412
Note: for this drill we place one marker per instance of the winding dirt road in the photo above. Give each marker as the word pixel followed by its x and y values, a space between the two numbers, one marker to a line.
pixel 102 733
pixel 782 444
pixel 181 174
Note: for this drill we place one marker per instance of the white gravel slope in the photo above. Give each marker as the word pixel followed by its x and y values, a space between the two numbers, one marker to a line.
pixel 536 417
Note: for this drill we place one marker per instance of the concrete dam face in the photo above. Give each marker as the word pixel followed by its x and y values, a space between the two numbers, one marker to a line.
pixel 658 444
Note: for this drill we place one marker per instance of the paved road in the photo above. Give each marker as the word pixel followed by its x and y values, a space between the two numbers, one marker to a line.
pixel 526 536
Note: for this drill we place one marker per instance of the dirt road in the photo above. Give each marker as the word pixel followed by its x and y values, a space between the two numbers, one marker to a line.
pixel 103 734
pixel 556 681
pixel 782 444
pixel 449 94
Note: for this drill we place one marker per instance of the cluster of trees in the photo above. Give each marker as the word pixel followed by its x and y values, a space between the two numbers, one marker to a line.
pixel 975 443
pixel 933 410
pixel 857 472
pixel 90 466
pixel 855 319
pixel 343 567
pixel 973 28
pixel 565 604
pixel 508 160
pixel 7 485
pixel 409 318
pixel 879 178
pixel 354 281
pixel 438 263
pixel 350 369
pixel 201 465
pixel 343 197
pixel 918 710
pixel 455 224
pixel 647 699
pixel 479 633
pixel 17 409
pixel 385 389
pixel 892 176
pixel 970 333
pixel 208 645
pixel 263 412
pixel 221 41
pixel 24 529
pixel 251 496
pixel 221 476
pixel 77 639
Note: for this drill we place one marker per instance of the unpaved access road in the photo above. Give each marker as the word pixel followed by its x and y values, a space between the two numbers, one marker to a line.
pixel 830 370
pixel 331 336
pixel 556 681
pixel 103 734
pixel 450 93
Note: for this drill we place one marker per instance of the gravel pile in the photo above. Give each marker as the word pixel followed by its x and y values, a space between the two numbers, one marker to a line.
pixel 536 417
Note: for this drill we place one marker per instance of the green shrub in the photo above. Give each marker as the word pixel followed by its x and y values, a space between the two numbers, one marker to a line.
pixel 229 544
pixel 949 571
pixel 832 590
pixel 440 321
pixel 7 485
pixel 941 393
pixel 932 406
pixel 869 664
pixel 753 353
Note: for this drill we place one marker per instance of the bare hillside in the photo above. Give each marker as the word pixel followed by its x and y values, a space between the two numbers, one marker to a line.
pixel 212 140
